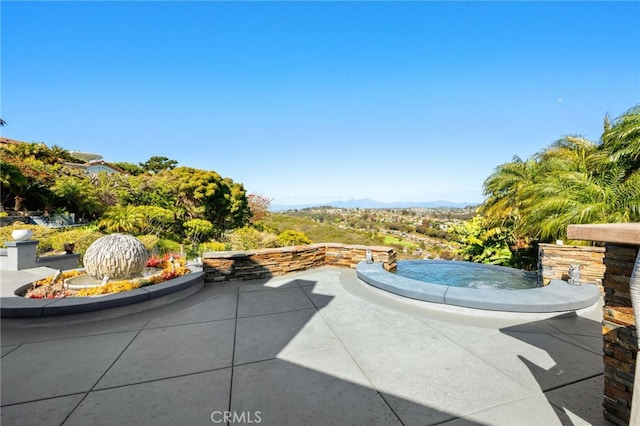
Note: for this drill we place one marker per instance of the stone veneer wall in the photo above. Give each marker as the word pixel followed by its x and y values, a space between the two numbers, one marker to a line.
pixel 619 333
pixel 232 266
pixel 554 261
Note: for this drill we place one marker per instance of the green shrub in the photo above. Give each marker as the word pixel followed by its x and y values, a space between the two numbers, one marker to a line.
pixel 150 242
pixel 81 237
pixel 198 229
pixel 248 238
pixel 44 247
pixel 261 226
pixel 483 244
pixel 169 246
pixel 213 246
pixel 292 238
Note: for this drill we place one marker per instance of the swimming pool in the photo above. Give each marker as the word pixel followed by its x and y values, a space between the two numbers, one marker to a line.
pixel 468 274
pixel 557 296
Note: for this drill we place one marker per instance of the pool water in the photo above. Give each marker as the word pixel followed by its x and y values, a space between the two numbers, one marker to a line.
pixel 467 274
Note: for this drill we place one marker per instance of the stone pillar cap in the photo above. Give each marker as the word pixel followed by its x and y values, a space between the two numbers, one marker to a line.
pixel 20 243
pixel 621 233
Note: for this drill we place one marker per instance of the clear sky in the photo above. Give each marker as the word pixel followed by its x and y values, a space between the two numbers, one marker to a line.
pixel 319 101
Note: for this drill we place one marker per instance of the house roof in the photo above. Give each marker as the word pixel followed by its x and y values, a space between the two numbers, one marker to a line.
pixel 85 156
pixel 86 166
pixel 7 141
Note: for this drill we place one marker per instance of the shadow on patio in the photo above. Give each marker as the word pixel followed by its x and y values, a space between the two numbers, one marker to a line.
pixel 298 350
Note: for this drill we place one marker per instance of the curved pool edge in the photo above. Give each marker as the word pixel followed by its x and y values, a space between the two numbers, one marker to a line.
pixel 20 307
pixel 558 296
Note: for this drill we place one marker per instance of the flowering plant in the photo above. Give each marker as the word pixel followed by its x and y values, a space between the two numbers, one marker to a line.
pixel 172 267
pixel 165 261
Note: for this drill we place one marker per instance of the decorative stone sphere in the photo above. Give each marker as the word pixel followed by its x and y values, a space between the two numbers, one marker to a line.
pixel 21 234
pixel 117 256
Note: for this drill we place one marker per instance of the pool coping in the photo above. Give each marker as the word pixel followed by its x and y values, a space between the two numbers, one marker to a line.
pixel 20 307
pixel 557 296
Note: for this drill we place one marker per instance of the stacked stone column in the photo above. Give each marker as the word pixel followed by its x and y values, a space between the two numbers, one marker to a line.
pixel 622 242
pixel 619 333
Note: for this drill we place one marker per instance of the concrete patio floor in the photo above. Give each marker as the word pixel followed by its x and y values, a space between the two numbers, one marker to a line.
pixel 314 348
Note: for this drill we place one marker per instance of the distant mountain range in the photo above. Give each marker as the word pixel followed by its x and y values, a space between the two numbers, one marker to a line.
pixel 372 204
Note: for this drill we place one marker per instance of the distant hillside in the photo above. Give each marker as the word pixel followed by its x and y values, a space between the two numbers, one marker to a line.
pixel 372 204
pixel 321 232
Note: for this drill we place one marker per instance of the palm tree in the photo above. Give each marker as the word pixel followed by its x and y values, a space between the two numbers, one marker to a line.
pixel 571 182
pixel 570 153
pixel 126 219
pixel 48 199
pixel 57 153
pixel 28 150
pixel 503 190
pixel 575 197
pixel 15 183
pixel 621 141
pixel 2 123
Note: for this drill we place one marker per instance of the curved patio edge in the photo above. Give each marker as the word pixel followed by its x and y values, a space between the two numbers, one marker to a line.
pixel 20 307
pixel 558 296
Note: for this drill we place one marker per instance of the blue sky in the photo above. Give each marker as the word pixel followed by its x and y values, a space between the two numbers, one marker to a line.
pixel 319 101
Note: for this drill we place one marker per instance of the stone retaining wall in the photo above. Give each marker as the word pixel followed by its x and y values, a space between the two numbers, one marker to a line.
pixel 619 333
pixel 253 264
pixel 554 261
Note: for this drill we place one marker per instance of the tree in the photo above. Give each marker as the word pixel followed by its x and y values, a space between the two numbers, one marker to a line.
pixel 239 212
pixel 580 198
pixel 48 199
pixel 15 184
pixel 258 206
pixel 24 178
pixel 503 189
pixel 589 182
pixel 621 140
pixel 573 181
pixel 149 190
pixel 39 152
pixel 110 188
pixel 571 153
pixel 57 154
pixel 78 194
pixel 157 164
pixel 205 195
pixel 129 168
pixel 28 150
pixel 157 221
